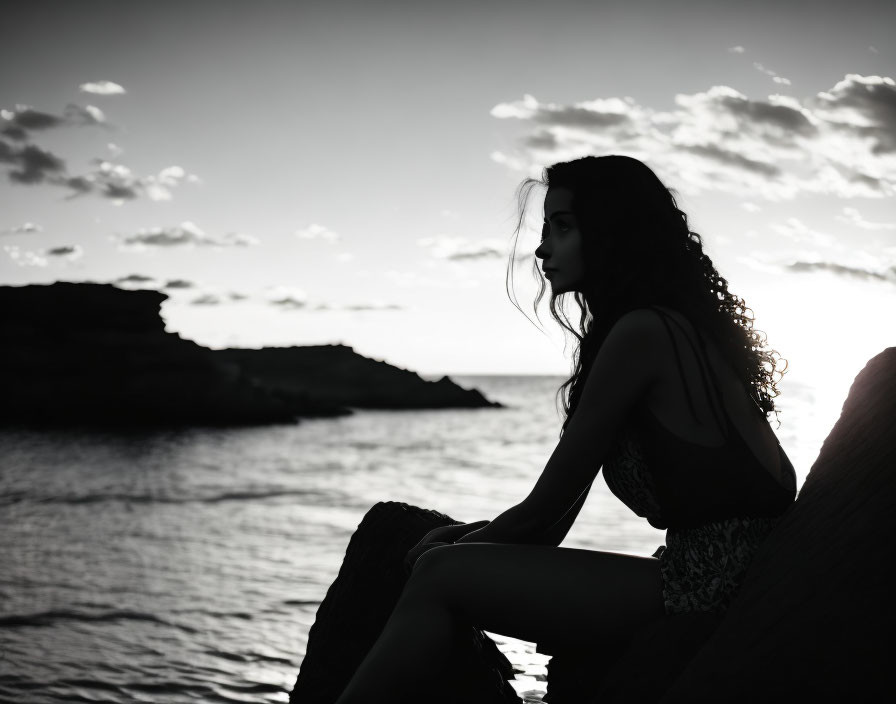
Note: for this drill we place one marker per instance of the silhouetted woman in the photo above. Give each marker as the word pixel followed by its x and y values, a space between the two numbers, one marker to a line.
pixel 670 394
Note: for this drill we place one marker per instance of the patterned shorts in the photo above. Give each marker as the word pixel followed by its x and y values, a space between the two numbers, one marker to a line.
pixel 703 567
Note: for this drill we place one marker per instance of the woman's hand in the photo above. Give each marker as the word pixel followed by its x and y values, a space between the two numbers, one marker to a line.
pixel 443 535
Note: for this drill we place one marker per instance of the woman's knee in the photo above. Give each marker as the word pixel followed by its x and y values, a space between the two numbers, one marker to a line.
pixel 432 566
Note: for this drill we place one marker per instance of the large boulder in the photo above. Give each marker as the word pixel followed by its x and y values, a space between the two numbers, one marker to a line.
pixel 360 601
pixel 815 618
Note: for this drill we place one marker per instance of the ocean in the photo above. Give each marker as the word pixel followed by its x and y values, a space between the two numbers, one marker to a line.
pixel 187 566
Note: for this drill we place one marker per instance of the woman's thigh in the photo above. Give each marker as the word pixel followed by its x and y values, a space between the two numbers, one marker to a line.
pixel 540 593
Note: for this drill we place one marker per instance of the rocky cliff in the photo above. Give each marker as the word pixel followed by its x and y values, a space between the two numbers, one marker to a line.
pixel 84 353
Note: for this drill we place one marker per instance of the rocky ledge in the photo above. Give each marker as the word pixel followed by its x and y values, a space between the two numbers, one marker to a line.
pixel 94 354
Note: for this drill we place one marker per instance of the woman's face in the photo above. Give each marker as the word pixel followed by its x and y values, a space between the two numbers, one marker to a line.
pixel 561 243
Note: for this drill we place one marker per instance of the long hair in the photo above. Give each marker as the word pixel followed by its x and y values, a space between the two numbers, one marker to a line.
pixel 638 251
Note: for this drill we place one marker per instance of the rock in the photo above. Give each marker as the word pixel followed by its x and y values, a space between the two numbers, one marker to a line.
pixel 342 376
pixel 359 602
pixel 93 354
pixel 815 618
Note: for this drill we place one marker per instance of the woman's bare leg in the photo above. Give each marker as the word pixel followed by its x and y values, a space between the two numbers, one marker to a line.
pixel 531 592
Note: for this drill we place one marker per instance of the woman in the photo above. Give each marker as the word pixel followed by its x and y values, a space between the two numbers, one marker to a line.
pixel 670 393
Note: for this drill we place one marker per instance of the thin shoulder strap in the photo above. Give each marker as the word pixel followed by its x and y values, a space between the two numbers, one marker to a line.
pixel 702 361
pixel 684 382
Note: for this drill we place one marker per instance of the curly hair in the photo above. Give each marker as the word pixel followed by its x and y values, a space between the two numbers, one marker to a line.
pixel 639 251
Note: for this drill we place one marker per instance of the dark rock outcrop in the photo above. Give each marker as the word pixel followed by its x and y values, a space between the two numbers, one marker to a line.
pixel 358 604
pixel 76 354
pixel 815 616
pixel 342 376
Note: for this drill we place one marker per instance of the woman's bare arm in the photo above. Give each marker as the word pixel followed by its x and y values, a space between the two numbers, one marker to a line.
pixel 626 367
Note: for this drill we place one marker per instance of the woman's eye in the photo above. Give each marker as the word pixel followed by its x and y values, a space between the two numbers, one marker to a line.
pixel 562 225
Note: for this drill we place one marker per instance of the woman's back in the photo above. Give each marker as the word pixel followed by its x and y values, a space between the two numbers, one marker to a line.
pixel 710 451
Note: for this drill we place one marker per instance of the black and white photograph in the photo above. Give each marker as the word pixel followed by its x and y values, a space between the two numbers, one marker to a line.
pixel 496 352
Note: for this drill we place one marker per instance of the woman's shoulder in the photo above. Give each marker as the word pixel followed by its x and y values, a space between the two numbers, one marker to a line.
pixel 637 333
pixel 642 321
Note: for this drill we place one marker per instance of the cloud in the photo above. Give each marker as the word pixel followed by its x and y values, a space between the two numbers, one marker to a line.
pixel 317 232
pixel 187 234
pixel 796 230
pixel 849 271
pixel 70 252
pixel 373 305
pixel 17 123
pixel 736 49
pixel 750 207
pixel 852 216
pixel 768 72
pixel 102 88
pixel 287 297
pixel 178 283
pixel 84 115
pixel 207 299
pixel 33 165
pixel 132 281
pixel 837 142
pixel 24 117
pixel 158 187
pixel 460 248
pixel 24 228
pixel 24 257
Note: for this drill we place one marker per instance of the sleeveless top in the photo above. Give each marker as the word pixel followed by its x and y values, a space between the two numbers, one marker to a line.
pixel 718 502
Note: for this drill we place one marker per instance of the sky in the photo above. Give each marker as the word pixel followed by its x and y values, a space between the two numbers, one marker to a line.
pixel 345 172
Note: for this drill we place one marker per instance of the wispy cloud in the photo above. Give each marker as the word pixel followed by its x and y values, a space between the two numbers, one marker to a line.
pixel 373 305
pixel 178 284
pixel 131 281
pixel 24 257
pixel 17 123
pixel 187 234
pixel 287 297
pixel 796 230
pixel 102 88
pixel 768 72
pixel 317 232
pixel 22 229
pixel 852 216
pixel 207 299
pixel 32 164
pixel 462 248
pixel 736 50
pixel 839 142
pixel 69 252
pixel 848 271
